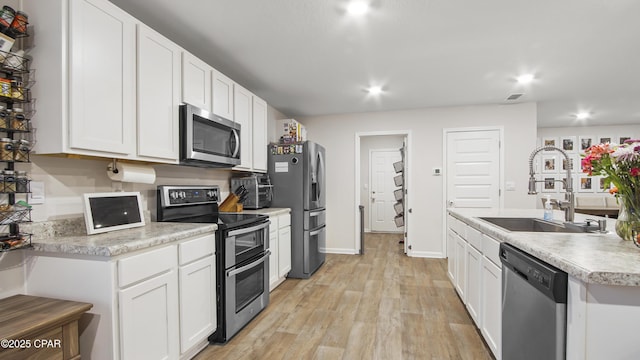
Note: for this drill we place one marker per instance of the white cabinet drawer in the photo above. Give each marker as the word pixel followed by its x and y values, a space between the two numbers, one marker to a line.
pixel 195 249
pixel 474 237
pixel 284 221
pixel 459 227
pixel 490 249
pixel 138 267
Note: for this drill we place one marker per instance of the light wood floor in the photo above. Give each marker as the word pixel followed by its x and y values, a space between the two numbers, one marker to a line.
pixel 383 305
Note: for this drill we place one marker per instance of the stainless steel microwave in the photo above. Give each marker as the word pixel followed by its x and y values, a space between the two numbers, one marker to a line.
pixel 208 140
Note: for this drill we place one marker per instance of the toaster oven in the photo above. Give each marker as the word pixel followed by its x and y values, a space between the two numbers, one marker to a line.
pixel 259 189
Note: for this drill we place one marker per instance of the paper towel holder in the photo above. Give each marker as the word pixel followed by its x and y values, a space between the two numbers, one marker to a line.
pixel 113 167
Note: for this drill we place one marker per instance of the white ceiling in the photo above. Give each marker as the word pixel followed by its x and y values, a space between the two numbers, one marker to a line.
pixel 306 57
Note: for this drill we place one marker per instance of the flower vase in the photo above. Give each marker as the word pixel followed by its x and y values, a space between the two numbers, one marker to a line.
pixel 628 223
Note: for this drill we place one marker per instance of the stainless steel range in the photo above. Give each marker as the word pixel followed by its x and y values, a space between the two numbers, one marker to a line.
pixel 242 254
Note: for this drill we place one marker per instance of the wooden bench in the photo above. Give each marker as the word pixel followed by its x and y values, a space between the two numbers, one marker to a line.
pixel 33 327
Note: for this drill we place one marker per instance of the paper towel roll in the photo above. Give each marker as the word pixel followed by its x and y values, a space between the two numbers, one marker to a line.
pixel 143 174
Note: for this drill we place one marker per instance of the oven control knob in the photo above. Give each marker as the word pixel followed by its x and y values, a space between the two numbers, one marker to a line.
pixel 212 195
pixel 183 195
pixel 173 195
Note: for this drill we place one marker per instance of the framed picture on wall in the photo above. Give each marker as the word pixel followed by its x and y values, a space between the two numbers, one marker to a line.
pixel 585 183
pixel 550 164
pixel 601 188
pixel 603 139
pixel 550 141
pixel 550 185
pixel 585 142
pixel 624 138
pixel 571 164
pixel 568 143
pixel 577 164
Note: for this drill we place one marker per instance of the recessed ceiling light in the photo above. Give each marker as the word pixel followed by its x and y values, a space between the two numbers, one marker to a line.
pixel 583 115
pixel 357 8
pixel 375 90
pixel 525 79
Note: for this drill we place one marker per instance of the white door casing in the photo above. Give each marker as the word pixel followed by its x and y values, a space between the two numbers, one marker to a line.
pixel 474 169
pixel 381 187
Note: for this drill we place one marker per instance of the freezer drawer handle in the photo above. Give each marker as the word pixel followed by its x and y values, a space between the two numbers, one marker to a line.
pixel 316 232
pixel 316 213
pixel 231 273
pixel 248 230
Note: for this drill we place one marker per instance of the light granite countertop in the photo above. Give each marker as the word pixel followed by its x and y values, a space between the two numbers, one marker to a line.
pixel 269 211
pixel 70 237
pixel 590 257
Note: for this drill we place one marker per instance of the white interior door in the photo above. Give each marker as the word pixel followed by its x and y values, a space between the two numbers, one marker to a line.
pixel 382 186
pixel 473 169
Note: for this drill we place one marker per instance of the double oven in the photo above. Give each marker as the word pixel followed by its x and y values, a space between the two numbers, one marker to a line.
pixel 242 253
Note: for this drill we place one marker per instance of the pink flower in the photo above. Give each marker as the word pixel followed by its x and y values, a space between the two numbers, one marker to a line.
pixel 635 172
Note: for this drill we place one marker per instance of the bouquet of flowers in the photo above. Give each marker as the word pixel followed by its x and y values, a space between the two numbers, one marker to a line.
pixel 620 166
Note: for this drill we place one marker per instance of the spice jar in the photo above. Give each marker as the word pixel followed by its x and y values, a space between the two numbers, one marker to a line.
pixel 4 118
pixel 21 150
pixel 6 149
pixel 9 181
pixel 19 23
pixel 17 90
pixel 7 14
pixel 22 182
pixel 18 120
pixel 5 87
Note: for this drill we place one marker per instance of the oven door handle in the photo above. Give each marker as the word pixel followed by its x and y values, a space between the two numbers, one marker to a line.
pixel 237 271
pixel 248 230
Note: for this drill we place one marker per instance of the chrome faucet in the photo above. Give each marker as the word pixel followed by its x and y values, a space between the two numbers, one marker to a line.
pixel 568 205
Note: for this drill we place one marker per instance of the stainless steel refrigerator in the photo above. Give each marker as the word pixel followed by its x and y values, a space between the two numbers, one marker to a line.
pixel 297 173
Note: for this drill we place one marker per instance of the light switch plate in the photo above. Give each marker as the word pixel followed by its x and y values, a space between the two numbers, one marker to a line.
pixel 437 171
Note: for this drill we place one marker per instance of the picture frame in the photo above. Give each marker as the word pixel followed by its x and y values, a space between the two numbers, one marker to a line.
pixel 585 142
pixel 550 141
pixel 112 211
pixel 603 139
pixel 586 183
pixel 568 144
pixel 565 164
pixel 550 184
pixel 601 188
pixel 550 164
pixel 623 138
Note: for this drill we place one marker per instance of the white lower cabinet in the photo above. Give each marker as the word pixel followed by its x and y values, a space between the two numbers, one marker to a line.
pixel 149 318
pixel 460 270
pixel 197 282
pixel 284 250
pixel 280 247
pixel 158 303
pixel 473 267
pixel 491 313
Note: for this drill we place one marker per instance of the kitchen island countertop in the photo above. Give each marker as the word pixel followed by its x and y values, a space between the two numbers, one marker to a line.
pixel 592 258
pixel 118 242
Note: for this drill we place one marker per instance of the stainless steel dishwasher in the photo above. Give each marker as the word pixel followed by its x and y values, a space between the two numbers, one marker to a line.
pixel 534 307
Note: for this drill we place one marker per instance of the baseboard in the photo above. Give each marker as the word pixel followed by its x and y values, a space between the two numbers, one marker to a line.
pixel 426 254
pixel 340 251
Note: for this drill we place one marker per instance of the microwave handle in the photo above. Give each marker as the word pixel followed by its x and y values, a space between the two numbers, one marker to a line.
pixel 237 142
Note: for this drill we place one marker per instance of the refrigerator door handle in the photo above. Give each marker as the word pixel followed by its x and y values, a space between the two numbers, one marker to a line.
pixel 316 213
pixel 316 232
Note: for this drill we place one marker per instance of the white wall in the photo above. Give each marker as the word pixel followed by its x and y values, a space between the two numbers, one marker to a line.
pixel 337 134
pixel 368 143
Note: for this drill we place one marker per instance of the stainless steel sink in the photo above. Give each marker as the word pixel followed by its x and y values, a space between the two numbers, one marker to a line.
pixel 536 225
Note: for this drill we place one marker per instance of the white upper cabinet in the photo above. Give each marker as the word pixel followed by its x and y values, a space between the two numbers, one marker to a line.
pixel 101 77
pixel 242 113
pixel 196 81
pixel 159 71
pixel 259 142
pixel 222 88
